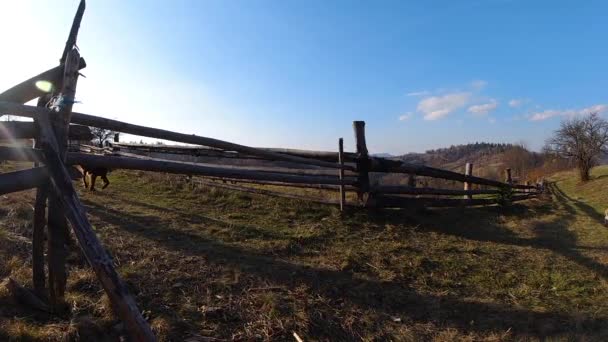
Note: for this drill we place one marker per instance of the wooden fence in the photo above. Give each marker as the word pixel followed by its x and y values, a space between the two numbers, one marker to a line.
pixel 54 124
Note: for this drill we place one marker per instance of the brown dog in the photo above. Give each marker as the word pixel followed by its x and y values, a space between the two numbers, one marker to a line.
pixel 94 172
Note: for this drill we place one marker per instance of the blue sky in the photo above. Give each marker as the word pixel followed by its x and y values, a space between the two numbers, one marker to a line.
pixel 422 74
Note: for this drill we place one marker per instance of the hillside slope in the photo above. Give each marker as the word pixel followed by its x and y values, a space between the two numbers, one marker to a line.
pixel 207 263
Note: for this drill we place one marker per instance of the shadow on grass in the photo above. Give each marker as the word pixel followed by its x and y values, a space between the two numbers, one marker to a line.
pixel 554 235
pixel 390 298
pixel 244 231
pixel 582 206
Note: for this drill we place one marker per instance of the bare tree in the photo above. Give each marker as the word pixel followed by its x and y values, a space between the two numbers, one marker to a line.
pixel 101 135
pixel 582 139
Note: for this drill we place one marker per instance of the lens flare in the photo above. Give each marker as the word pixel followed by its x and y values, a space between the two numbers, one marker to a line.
pixel 44 86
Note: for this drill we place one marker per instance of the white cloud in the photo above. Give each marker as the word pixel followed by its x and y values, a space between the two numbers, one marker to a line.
pixel 436 107
pixel 479 84
pixel 406 116
pixel 549 113
pixel 483 109
pixel 492 120
pixel 514 103
pixel 419 93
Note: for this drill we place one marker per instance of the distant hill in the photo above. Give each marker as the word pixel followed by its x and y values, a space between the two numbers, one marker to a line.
pixel 383 155
pixel 489 160
pixel 456 156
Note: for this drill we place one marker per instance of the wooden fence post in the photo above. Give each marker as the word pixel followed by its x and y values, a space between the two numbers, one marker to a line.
pixel 508 178
pixel 341 161
pixel 411 180
pixel 363 163
pixel 58 228
pixel 38 275
pixel 468 171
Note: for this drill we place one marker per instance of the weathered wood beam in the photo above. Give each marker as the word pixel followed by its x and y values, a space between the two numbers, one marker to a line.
pixel 11 130
pixel 122 302
pixel 22 180
pixel 119 126
pixel 27 90
pixel 196 169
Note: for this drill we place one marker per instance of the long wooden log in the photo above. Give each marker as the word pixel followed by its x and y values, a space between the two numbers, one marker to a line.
pixel 237 160
pixel 22 180
pixel 36 155
pixel 119 126
pixel 27 90
pixel 195 169
pixel 200 150
pixel 11 130
pixel 122 302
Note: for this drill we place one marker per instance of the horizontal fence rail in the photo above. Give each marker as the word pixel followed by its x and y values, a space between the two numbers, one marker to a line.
pixel 96 121
pixel 395 166
pixel 193 169
pixel 22 180
pixel 13 130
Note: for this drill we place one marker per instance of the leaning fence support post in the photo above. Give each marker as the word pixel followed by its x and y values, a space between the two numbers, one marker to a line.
pixel 508 178
pixel 341 161
pixel 97 256
pixel 363 163
pixel 468 171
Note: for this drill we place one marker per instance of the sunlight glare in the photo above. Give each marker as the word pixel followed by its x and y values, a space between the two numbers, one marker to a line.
pixel 44 86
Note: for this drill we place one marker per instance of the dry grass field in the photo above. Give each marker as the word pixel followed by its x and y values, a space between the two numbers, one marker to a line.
pixel 213 265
